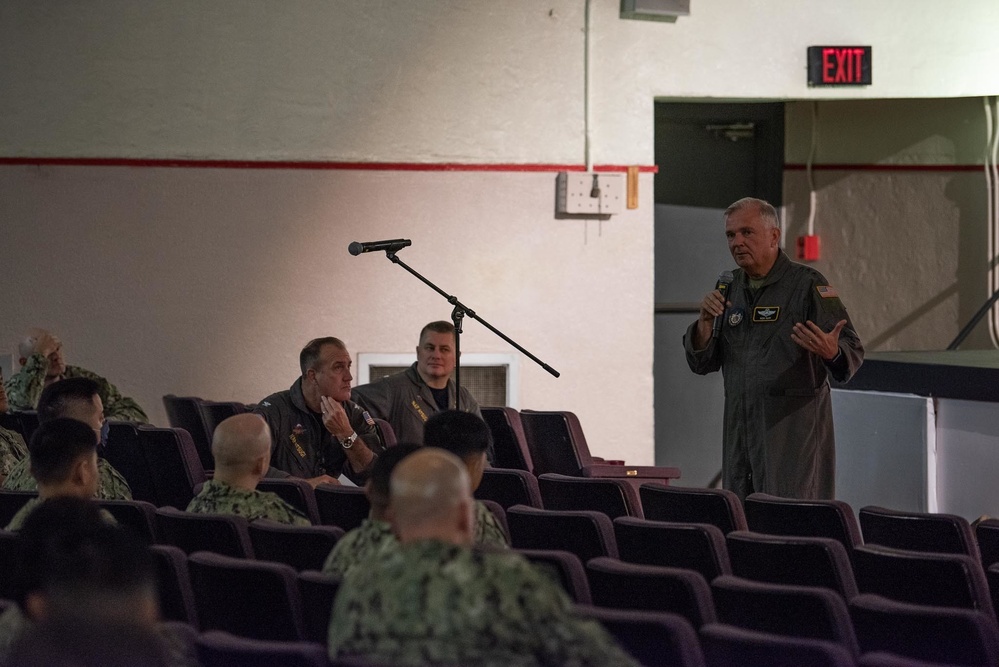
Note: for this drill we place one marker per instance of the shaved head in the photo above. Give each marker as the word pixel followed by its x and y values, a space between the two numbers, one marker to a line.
pixel 431 497
pixel 238 443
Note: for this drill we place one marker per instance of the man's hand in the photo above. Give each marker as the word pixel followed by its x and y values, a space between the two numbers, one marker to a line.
pixel 322 479
pixel 809 336
pixel 335 418
pixel 713 305
pixel 46 344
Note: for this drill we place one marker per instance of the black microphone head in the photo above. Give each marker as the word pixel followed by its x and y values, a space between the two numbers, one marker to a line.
pixel 356 248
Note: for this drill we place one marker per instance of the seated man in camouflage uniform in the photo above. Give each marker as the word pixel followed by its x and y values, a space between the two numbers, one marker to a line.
pixel 42 364
pixel 435 600
pixel 76 398
pixel 64 461
pixel 12 445
pixel 241 446
pixel 374 534
pixel 467 437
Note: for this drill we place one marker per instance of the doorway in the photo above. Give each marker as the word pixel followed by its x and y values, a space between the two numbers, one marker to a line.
pixel 709 155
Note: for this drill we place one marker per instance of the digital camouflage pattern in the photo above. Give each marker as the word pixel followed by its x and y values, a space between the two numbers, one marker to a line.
pixel 25 387
pixel 110 485
pixel 22 515
pixel 360 545
pixel 488 531
pixel 12 450
pixel 435 603
pixel 217 497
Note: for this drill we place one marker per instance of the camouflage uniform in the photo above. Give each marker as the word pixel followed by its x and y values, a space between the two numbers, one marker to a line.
pixel 435 603
pixel 488 531
pixel 22 515
pixel 12 450
pixel 24 388
pixel 360 545
pixel 217 497
pixel 110 485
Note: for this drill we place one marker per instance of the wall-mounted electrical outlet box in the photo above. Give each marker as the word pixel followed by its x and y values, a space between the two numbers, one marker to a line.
pixel 581 193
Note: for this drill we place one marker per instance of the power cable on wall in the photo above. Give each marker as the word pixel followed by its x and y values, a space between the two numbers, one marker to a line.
pixel 992 205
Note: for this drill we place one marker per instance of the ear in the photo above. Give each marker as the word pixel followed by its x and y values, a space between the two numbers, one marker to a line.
pixel 22 360
pixel 261 465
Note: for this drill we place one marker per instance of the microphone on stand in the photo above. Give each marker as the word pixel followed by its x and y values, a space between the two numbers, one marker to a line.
pixel 391 245
pixel 724 281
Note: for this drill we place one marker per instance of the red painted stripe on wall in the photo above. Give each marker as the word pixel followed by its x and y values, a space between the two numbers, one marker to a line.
pixel 314 165
pixel 885 167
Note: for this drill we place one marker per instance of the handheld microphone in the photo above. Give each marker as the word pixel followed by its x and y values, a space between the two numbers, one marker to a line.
pixel 724 281
pixel 391 245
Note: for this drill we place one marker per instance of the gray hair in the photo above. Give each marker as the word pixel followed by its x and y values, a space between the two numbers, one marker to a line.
pixel 766 211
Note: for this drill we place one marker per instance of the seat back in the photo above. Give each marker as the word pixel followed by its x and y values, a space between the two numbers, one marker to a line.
pixel 11 503
pixel 917 531
pixel 343 506
pixel 22 421
pixel 555 441
pixel 509 487
pixel 806 518
pixel 987 536
pixel 296 492
pixel 138 516
pixel 933 634
pixel 564 568
pixel 174 462
pixel 214 413
pixel 9 564
pixel 510 449
pixel 586 534
pixel 318 592
pixel 800 561
pixel 652 638
pixel 222 649
pixel 225 534
pixel 387 432
pixel 939 579
pixel 174 584
pixel 301 547
pixel 719 507
pixel 185 412
pixel 726 645
pixel 125 454
pixel 795 611
pixel 620 585
pixel 249 598
pixel 694 546
pixel 613 496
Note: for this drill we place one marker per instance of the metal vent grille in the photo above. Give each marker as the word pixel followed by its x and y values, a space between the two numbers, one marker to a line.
pixel 486 383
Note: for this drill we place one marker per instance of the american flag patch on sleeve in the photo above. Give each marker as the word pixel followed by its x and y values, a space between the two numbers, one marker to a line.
pixel 826 291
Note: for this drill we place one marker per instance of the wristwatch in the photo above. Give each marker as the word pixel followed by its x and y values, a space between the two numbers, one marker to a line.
pixel 348 442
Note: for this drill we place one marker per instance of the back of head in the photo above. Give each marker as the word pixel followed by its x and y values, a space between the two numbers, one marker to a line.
pixel 431 497
pixel 89 643
pixel 74 565
pixel 463 434
pixel 239 442
pixel 309 356
pixel 56 446
pixel 766 211
pixel 60 397
pixel 381 473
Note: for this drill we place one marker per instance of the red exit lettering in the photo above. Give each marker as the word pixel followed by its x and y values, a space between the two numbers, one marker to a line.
pixel 842 65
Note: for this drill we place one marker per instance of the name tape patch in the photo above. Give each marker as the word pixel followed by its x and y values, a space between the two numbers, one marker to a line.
pixel 766 313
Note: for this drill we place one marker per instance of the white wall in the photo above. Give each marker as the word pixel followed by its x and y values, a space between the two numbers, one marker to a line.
pixel 208 281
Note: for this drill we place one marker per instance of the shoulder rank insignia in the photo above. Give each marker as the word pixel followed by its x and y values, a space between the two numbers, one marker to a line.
pixel 766 313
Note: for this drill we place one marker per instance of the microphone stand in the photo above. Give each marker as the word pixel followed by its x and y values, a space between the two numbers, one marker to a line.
pixel 457 315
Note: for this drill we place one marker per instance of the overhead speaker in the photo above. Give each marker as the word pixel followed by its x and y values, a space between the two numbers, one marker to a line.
pixel 655 10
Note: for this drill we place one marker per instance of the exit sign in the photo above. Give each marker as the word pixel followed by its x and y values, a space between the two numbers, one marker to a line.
pixel 839 65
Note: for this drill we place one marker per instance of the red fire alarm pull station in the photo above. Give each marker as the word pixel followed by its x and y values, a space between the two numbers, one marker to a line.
pixel 839 65
pixel 808 248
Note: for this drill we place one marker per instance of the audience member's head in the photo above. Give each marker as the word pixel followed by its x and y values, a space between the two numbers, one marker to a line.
pixel 464 435
pixel 63 456
pixel 40 341
pixel 431 498
pixel 74 565
pixel 76 398
pixel 377 487
pixel 241 446
pixel 89 643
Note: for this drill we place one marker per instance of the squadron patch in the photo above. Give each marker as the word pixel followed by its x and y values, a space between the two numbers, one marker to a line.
pixel 766 313
pixel 735 317
pixel 826 291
